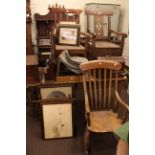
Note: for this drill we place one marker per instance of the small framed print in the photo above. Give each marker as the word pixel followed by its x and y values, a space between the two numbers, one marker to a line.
pixel 57 119
pixel 69 34
pixel 56 92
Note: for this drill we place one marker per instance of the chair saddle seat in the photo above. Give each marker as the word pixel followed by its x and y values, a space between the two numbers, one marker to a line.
pixel 64 47
pixel 104 44
pixel 104 121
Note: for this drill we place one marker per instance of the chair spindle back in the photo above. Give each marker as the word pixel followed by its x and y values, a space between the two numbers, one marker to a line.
pixel 99 78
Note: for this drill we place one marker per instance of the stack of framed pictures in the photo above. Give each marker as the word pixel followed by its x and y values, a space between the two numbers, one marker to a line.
pixel 56 103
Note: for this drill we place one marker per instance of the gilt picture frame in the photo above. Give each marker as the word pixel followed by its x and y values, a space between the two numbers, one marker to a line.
pixel 69 34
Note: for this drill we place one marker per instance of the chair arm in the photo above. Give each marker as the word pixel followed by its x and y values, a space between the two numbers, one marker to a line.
pixel 120 100
pixel 84 34
pixel 91 37
pixel 87 114
pixel 91 33
pixel 84 41
pixel 119 33
pixel 87 105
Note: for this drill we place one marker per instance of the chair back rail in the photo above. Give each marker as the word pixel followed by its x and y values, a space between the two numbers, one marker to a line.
pixel 102 23
pixel 99 79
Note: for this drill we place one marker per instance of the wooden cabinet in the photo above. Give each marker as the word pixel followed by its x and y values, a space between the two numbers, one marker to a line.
pixel 46 24
pixel 32 74
pixel 28 29
pixel 44 30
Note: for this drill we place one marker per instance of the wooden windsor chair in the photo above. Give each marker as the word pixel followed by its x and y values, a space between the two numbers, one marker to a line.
pixel 105 110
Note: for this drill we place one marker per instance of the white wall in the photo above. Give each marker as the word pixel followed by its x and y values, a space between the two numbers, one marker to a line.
pixel 124 27
pixel 41 7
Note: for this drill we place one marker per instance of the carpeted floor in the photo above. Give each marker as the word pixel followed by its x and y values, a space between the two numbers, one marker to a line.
pixel 36 145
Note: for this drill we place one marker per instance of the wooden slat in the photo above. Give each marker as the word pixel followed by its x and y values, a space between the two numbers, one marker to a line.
pixel 95 89
pixel 100 89
pixel 110 82
pixel 116 88
pixel 106 64
pixel 99 30
pixel 116 80
pixel 87 23
pixel 86 94
pixel 103 27
pixel 92 12
pixel 105 76
pixel 90 88
pixel 109 25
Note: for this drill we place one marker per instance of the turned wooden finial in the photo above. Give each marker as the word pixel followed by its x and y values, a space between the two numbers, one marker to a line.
pixel 63 7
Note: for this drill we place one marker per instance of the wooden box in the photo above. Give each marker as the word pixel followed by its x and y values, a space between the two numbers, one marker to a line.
pixel 32 74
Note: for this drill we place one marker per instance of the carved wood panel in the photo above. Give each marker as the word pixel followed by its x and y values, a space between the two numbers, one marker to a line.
pixel 99 26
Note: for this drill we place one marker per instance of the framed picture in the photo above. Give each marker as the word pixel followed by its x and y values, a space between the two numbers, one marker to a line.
pixel 57 119
pixel 58 92
pixel 68 34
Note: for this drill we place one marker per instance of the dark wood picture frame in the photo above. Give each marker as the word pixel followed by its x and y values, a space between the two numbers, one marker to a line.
pixel 55 124
pixel 56 92
pixel 68 34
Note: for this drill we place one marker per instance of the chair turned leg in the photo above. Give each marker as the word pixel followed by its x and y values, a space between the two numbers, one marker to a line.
pixel 87 141
pixel 58 67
